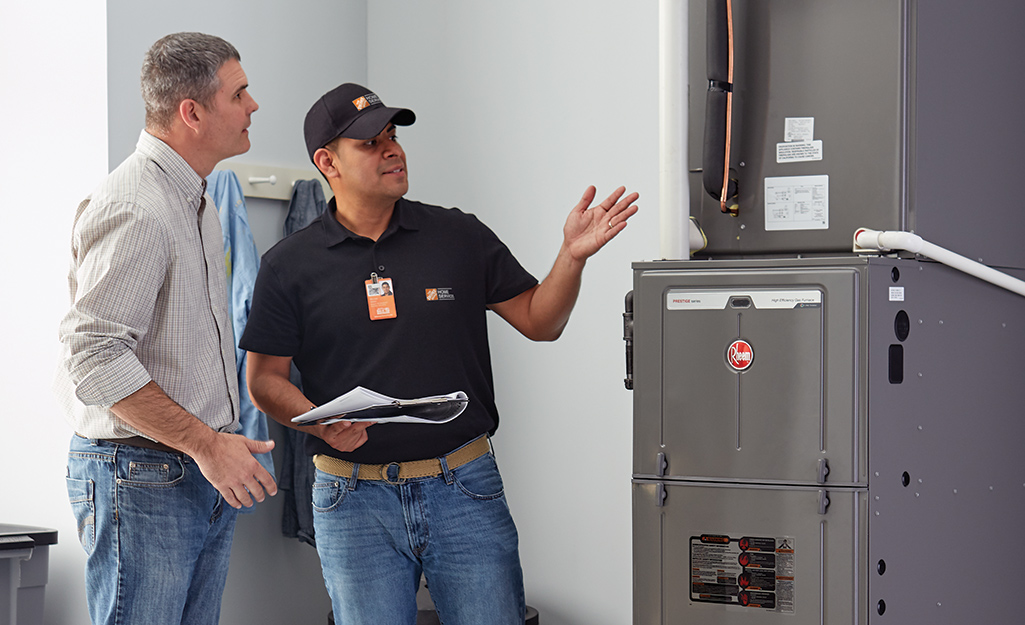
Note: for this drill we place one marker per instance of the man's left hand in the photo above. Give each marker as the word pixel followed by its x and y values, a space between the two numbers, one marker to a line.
pixel 588 228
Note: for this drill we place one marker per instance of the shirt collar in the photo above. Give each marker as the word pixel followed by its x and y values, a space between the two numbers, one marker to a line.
pixel 174 166
pixel 404 217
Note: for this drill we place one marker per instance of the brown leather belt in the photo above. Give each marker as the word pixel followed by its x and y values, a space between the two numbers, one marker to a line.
pixel 406 470
pixel 139 441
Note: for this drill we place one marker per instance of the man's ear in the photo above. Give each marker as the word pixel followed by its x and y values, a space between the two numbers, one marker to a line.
pixel 324 159
pixel 188 111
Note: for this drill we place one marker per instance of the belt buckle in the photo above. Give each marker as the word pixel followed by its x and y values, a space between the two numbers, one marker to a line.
pixel 385 470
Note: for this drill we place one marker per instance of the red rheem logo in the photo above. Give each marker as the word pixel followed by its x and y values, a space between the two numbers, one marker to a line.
pixel 739 355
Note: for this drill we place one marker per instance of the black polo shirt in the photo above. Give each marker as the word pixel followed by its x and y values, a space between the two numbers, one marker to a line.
pixel 446 266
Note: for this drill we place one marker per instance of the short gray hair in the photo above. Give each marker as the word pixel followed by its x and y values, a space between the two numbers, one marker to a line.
pixel 178 67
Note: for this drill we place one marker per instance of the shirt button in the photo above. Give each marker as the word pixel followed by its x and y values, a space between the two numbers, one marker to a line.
pixel 380 267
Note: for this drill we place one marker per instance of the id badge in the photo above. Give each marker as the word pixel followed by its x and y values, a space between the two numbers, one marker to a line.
pixel 380 298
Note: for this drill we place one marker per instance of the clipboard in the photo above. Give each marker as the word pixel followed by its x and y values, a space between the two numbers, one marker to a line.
pixel 361 404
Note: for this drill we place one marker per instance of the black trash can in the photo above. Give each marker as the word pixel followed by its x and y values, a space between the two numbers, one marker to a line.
pixel 24 569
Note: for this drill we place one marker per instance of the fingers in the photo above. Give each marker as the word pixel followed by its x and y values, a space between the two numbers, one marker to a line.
pixel 608 203
pixel 612 204
pixel 251 490
pixel 259 447
pixel 346 435
pixel 230 498
pixel 621 212
pixel 264 484
pixel 586 199
pixel 623 209
pixel 235 473
pixel 623 204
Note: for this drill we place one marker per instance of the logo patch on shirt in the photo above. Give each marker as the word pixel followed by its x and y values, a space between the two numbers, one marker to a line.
pixel 440 293
pixel 363 102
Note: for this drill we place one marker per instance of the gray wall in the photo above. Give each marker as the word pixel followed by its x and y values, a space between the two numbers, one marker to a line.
pixel 291 53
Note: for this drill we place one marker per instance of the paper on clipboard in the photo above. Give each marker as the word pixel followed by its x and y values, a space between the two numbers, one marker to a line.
pixel 362 404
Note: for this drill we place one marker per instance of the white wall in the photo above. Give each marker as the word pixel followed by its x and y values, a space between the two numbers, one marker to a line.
pixel 520 106
pixel 53 151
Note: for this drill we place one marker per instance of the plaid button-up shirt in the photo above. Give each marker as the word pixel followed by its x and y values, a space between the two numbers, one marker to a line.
pixel 149 298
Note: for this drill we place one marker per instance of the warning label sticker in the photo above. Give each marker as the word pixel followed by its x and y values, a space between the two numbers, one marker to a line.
pixel 749 571
pixel 799 151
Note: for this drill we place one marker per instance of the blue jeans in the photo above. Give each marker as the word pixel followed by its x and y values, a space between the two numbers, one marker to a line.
pixel 156 533
pixel 375 538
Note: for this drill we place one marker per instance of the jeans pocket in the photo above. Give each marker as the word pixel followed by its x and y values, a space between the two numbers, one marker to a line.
pixel 480 479
pixel 161 473
pixel 80 494
pixel 327 494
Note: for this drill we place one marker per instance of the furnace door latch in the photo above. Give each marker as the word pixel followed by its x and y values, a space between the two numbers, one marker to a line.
pixel 823 501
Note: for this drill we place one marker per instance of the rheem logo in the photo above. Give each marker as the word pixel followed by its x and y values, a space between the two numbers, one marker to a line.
pixel 739 355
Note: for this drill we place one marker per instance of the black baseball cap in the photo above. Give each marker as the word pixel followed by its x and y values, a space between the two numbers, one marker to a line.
pixel 350 111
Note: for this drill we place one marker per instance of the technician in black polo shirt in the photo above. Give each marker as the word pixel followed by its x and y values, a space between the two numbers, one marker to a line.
pixel 393 501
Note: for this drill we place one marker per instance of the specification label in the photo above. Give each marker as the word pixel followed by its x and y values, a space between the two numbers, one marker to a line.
pixel 797 203
pixel 750 571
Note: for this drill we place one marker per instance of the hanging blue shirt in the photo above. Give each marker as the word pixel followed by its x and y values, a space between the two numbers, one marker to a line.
pixel 297 471
pixel 243 261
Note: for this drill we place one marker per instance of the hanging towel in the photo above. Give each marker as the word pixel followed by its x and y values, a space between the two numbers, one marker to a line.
pixel 243 262
pixel 297 471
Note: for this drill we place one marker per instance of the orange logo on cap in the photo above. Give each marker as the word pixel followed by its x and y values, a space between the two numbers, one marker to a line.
pixel 432 295
pixel 360 103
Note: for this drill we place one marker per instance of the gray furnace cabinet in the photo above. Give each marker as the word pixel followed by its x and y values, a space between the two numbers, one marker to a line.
pixel 831 440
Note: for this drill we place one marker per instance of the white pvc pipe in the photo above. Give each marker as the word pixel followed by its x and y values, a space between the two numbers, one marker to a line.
pixel 884 241
pixel 674 187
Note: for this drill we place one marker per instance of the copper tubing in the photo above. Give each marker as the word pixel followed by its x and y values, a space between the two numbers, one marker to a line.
pixel 729 109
